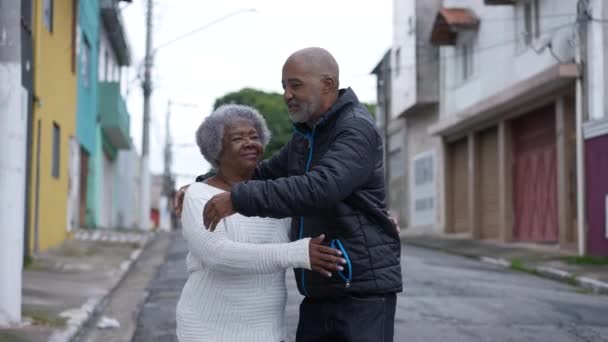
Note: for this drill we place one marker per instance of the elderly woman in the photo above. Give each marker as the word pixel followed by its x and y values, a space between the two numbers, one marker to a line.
pixel 236 285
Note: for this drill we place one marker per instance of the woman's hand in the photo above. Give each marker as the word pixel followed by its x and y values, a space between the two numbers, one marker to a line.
pixel 178 200
pixel 324 259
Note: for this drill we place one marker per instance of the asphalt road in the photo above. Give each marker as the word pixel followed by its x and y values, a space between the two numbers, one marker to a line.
pixel 446 298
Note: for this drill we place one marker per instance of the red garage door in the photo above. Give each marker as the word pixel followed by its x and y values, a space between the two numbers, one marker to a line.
pixel 535 176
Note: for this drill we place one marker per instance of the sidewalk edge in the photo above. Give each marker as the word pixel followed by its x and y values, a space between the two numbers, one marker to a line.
pixel 95 305
pixel 592 284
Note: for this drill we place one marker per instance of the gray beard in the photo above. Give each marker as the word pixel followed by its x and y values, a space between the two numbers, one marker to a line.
pixel 303 115
pixel 299 117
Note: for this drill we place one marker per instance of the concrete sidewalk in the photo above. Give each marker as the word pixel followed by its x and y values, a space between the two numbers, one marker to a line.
pixel 543 261
pixel 65 286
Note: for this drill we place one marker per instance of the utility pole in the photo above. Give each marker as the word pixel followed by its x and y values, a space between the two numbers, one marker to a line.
pixel 144 198
pixel 581 92
pixel 168 155
pixel 168 159
pixel 13 139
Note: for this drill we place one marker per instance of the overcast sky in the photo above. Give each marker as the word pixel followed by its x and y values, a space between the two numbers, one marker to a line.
pixel 246 50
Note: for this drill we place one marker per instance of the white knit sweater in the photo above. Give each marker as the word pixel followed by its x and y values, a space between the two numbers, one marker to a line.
pixel 236 284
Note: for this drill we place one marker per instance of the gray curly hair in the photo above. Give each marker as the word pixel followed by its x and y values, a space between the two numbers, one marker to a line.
pixel 210 134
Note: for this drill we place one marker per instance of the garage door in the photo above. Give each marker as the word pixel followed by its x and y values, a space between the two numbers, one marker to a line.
pixel 488 181
pixel 535 176
pixel 459 182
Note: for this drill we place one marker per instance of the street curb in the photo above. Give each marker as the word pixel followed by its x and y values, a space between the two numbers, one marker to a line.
pixel 83 316
pixel 594 285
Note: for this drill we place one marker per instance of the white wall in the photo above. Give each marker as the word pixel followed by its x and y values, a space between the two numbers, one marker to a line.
pixel 500 58
pixel 126 189
pixel 107 192
pixel 13 142
pixel 421 145
pixel 403 81
pixel 73 207
pixel 596 62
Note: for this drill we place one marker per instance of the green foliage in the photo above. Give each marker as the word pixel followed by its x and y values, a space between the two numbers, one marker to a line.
pixel 587 260
pixel 371 107
pixel 271 106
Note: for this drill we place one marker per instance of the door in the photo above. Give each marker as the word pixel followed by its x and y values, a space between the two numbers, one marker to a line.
pixel 488 191
pixel 535 176
pixel 459 187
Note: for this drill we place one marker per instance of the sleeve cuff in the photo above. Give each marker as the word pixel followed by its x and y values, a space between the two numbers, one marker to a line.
pixel 299 255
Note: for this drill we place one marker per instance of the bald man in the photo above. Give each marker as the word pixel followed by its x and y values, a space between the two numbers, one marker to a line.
pixel 329 179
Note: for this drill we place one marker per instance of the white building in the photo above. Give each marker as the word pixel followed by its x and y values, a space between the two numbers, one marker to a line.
pixel 408 96
pixel 507 118
pixel 127 185
pixel 13 139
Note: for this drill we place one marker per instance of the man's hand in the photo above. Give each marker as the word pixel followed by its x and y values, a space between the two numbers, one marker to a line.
pixel 178 200
pixel 218 207
pixel 395 224
pixel 324 259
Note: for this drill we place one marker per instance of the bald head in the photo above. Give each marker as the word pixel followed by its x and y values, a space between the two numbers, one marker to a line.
pixel 310 84
pixel 316 61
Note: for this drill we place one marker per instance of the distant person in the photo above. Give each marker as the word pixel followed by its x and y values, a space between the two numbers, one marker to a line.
pixel 329 179
pixel 236 285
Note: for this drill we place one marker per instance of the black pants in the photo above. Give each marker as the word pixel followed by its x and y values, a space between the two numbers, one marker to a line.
pixel 357 319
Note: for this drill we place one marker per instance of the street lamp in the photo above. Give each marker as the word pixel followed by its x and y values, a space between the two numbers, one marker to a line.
pixel 147 91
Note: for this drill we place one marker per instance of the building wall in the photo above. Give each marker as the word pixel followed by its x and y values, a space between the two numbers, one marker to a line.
pixel 597 194
pixel 109 203
pixel 95 181
pixel 411 153
pixel 13 160
pixel 424 161
pixel 126 189
pixel 397 171
pixel 55 91
pixel 88 42
pixel 596 62
pixel 500 58
pixel 414 59
pixel 403 57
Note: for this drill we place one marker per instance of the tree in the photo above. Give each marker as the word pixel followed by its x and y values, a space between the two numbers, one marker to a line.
pixel 271 106
pixel 274 110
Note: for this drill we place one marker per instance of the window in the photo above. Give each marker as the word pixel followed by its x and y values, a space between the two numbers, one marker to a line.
pixel 47 8
pixel 56 153
pixel 85 69
pixel 423 191
pixel 423 170
pixel 464 61
pixel 410 25
pixel 531 21
pixel 397 61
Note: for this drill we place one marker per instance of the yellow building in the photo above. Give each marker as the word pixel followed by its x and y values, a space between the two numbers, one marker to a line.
pixel 54 120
